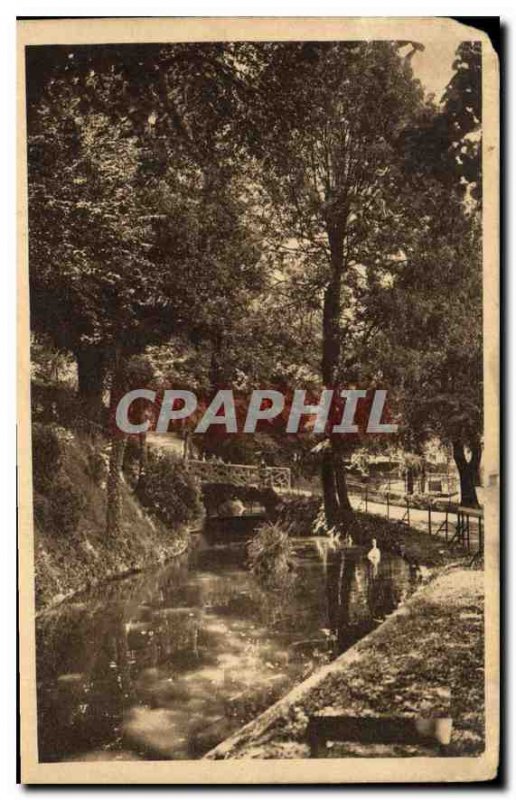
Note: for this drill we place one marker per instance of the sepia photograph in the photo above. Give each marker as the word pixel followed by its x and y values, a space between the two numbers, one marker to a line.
pixel 259 400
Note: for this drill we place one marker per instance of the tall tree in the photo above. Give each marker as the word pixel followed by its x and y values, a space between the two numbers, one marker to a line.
pixel 94 289
pixel 435 300
pixel 137 227
pixel 324 119
pixel 133 193
pixel 427 342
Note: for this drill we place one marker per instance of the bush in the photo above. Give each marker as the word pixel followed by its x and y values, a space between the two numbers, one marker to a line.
pixel 271 555
pixel 168 490
pixel 59 405
pixel 97 467
pixel 46 456
pixel 59 510
pixel 66 506
pixel 132 459
pixel 299 515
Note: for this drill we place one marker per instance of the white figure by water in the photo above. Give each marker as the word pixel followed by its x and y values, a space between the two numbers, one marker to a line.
pixel 374 555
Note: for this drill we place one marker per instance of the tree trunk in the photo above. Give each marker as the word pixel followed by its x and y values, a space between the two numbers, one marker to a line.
pixel 116 458
pixel 341 484
pixel 410 480
pixel 91 368
pixel 422 478
pixel 142 456
pixel 187 445
pixel 331 332
pixel 114 486
pixel 468 471
pixel 331 503
pixel 333 482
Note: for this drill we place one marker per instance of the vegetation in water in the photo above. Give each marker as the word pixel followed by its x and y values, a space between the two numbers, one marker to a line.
pixel 271 555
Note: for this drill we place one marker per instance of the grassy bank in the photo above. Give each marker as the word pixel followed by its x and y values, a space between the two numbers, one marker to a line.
pixel 72 550
pixel 425 660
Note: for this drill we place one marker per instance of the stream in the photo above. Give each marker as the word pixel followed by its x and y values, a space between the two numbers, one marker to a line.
pixel 168 663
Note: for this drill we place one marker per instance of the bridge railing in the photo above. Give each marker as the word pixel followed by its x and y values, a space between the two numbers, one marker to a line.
pixel 240 474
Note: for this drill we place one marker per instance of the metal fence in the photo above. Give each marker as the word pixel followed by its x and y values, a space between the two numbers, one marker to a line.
pixel 457 525
pixel 433 483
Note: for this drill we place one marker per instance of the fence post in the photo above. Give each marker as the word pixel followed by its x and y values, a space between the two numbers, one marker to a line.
pixel 446 523
pixel 429 520
pixel 366 492
pixel 408 512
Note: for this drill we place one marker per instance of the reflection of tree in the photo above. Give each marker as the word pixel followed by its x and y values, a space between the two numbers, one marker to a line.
pixel 276 603
pixel 88 655
pixel 360 595
pixel 347 590
pixel 99 659
pixel 83 679
pixel 388 588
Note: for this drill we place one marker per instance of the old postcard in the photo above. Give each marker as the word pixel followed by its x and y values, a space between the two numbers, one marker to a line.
pixel 258 401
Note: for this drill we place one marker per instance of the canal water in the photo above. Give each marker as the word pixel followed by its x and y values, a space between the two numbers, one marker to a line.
pixel 168 663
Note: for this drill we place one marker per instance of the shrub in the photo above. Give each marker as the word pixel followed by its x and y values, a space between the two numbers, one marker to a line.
pixel 59 510
pixel 66 506
pixel 169 490
pixel 58 504
pixel 132 459
pixel 299 515
pixel 271 555
pixel 46 456
pixel 97 467
pixel 52 405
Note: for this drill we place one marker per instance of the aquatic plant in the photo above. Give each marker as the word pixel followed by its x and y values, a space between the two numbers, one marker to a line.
pixel 271 554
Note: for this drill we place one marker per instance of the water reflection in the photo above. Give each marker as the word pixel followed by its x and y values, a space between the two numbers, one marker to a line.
pixel 168 663
pixel 361 594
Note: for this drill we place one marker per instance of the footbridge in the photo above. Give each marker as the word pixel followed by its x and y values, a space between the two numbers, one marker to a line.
pixel 277 478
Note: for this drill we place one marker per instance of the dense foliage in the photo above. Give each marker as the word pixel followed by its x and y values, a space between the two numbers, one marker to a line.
pixel 58 504
pixel 255 214
pixel 168 490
